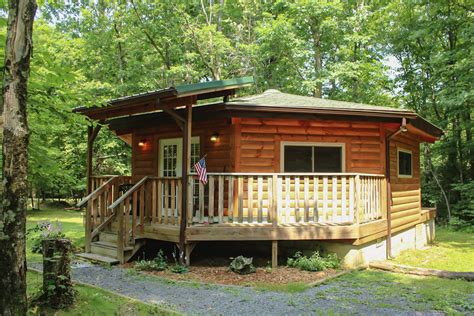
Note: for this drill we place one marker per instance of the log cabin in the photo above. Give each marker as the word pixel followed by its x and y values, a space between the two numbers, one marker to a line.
pixel 294 171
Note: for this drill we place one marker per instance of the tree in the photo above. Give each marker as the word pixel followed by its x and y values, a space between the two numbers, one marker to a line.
pixel 15 158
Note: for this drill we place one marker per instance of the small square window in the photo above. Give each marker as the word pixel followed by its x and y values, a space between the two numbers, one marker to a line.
pixel 405 167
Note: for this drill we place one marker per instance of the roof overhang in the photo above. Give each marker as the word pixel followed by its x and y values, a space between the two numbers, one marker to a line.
pixel 417 124
pixel 173 97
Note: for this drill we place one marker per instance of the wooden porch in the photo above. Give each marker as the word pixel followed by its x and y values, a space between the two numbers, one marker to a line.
pixel 235 206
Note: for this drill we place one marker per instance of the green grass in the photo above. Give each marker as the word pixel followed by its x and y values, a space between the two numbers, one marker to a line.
pixel 72 226
pixel 385 290
pixel 452 251
pixel 93 301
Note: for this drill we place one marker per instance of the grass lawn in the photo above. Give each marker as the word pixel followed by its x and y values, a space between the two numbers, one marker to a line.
pixel 72 225
pixel 452 251
pixel 93 301
pixel 384 289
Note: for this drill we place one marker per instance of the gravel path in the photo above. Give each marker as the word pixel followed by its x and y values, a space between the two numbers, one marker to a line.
pixel 204 299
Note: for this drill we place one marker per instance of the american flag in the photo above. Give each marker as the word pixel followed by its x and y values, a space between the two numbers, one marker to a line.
pixel 201 170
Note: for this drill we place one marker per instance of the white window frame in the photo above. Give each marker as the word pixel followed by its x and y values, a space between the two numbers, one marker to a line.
pixel 311 144
pixel 179 152
pixel 407 151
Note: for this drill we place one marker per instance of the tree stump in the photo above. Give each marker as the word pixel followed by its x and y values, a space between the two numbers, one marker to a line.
pixel 57 285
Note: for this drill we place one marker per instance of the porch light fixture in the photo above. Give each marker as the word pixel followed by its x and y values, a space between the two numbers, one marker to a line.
pixel 142 143
pixel 214 137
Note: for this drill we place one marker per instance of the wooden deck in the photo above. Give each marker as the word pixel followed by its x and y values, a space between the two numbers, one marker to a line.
pixel 237 207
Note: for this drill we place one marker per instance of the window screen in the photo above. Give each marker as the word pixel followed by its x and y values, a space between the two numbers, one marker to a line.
pixel 312 159
pixel 404 163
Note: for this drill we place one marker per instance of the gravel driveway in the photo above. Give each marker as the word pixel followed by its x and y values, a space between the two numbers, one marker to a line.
pixel 336 297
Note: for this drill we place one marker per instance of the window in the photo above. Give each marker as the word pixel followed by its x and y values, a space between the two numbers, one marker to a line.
pixel 313 157
pixel 405 167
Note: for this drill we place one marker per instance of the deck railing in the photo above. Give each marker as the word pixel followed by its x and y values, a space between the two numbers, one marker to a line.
pixel 281 198
pixel 234 198
pixel 105 190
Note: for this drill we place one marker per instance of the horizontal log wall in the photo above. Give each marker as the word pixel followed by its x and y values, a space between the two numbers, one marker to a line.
pixel 406 194
pixel 259 142
pixel 145 159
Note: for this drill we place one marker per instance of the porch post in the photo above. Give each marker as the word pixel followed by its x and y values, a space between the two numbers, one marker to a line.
pixel 91 135
pixel 89 159
pixel 184 182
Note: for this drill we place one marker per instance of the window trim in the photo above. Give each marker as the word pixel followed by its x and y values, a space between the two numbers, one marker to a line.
pixel 312 144
pixel 179 142
pixel 407 151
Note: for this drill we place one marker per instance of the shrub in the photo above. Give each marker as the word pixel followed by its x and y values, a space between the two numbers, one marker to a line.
pixel 42 231
pixel 179 268
pixel 242 265
pixel 157 264
pixel 314 263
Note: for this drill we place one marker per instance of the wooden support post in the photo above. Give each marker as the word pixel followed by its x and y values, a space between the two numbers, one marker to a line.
pixel 188 249
pixel 274 254
pixel 87 238
pixel 184 178
pixel 89 159
pixel 91 135
pixel 120 231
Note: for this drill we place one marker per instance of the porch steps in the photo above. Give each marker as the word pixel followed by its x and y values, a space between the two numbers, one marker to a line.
pixel 97 258
pixel 106 248
pixel 108 237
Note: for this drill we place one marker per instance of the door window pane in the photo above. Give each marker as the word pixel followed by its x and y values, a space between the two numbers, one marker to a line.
pixel 298 158
pixel 170 158
pixel 327 159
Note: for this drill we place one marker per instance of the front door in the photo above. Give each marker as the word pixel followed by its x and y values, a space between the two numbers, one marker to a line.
pixel 171 166
pixel 171 157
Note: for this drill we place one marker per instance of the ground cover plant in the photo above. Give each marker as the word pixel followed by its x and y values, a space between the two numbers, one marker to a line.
pixel 315 262
pixel 242 265
pixel 157 264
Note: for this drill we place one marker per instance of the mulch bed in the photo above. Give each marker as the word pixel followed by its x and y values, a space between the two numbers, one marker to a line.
pixel 222 275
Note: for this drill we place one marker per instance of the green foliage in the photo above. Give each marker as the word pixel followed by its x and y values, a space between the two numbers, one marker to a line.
pixel 157 264
pixel 315 262
pixel 242 265
pixel 179 268
pixel 413 54
pixel 42 231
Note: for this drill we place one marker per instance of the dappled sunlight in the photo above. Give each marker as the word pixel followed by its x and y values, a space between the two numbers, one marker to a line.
pixel 71 222
pixel 452 251
pixel 393 290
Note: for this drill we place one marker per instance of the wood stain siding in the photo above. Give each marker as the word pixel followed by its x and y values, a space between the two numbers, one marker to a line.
pixel 406 192
pixel 260 142
pixel 145 159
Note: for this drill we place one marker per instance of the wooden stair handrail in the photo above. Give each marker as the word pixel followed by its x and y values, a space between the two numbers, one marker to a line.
pixel 97 191
pixel 96 231
pixel 128 193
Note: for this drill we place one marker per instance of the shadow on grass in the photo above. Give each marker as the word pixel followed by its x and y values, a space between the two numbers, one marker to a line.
pixel 399 291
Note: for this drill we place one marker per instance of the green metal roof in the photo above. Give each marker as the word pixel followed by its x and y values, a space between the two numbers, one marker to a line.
pixel 276 99
pixel 197 88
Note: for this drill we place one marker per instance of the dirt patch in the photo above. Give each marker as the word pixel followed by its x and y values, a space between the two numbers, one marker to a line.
pixel 222 275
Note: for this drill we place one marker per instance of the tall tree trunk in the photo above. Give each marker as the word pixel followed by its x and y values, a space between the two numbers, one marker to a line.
pixel 15 158
pixel 318 88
